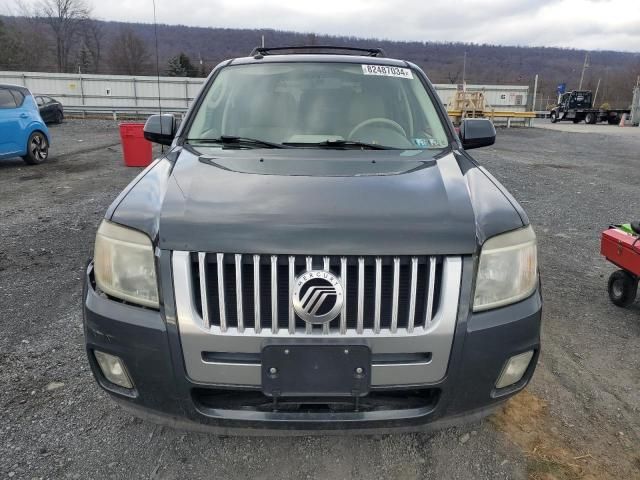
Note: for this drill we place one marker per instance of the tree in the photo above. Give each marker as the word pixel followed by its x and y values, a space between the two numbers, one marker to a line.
pixel 18 39
pixel 65 18
pixel 92 40
pixel 453 77
pixel 181 66
pixel 6 48
pixel 128 54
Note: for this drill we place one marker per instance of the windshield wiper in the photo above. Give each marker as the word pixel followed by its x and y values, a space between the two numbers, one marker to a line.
pixel 341 144
pixel 239 141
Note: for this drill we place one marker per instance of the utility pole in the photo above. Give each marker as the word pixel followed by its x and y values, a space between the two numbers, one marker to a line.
pixel 535 94
pixel 596 94
pixel 584 67
pixel 464 71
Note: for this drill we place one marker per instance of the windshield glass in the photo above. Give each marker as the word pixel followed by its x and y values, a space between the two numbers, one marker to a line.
pixel 319 104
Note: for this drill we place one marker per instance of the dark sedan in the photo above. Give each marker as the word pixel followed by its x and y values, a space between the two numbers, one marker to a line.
pixel 51 110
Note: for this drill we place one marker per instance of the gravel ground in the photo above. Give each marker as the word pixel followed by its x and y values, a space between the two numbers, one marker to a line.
pixel 580 417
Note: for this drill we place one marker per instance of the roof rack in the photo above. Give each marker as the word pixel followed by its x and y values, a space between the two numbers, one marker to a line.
pixel 371 52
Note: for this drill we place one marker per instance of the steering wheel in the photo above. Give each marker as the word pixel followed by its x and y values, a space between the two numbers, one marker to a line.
pixel 385 121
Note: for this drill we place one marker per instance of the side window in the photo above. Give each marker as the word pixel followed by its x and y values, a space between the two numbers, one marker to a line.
pixel 40 101
pixel 19 97
pixel 49 100
pixel 6 99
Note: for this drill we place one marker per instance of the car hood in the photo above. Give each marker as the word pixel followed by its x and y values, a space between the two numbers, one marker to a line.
pixel 305 201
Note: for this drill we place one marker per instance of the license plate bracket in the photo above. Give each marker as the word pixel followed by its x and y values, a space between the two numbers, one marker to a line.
pixel 311 370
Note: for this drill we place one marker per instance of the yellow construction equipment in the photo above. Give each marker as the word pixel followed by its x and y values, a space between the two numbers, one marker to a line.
pixel 472 105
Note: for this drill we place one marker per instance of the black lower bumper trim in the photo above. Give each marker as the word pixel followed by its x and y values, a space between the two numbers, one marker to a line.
pixel 275 429
pixel 243 400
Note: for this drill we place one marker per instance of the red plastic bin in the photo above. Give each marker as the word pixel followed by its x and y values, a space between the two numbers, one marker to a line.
pixel 135 148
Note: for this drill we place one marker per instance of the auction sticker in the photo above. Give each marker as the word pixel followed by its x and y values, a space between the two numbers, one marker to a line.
pixel 387 71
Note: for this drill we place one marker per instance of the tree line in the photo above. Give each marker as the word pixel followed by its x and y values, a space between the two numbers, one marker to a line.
pixel 63 36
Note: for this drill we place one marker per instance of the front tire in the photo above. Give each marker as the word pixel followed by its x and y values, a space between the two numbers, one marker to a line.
pixel 623 288
pixel 37 149
pixel 554 116
pixel 590 118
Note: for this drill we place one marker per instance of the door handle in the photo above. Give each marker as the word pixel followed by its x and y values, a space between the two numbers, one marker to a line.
pixel 24 115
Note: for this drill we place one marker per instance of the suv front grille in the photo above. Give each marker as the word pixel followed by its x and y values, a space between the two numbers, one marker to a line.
pixel 252 294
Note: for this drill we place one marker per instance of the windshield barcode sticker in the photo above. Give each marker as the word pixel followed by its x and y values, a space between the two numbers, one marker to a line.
pixel 387 71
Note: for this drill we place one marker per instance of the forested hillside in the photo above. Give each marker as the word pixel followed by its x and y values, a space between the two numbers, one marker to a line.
pixel 28 43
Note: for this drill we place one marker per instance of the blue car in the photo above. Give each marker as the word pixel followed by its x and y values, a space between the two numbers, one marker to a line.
pixel 22 131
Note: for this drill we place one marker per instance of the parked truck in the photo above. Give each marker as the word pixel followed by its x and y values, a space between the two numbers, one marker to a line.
pixel 577 106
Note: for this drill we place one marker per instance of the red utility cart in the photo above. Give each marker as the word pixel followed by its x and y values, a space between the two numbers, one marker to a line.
pixel 623 250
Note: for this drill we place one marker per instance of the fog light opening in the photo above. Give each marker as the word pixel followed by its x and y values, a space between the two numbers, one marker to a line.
pixel 514 369
pixel 113 369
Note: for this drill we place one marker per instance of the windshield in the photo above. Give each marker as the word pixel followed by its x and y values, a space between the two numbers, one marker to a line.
pixel 319 105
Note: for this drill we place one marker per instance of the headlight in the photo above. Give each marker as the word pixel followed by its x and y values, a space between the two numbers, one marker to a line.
pixel 508 269
pixel 124 264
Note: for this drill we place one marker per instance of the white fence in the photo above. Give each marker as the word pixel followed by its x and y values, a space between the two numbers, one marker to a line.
pixel 117 93
pixel 113 91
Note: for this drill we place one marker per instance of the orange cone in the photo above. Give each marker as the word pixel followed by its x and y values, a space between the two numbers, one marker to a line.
pixel 622 120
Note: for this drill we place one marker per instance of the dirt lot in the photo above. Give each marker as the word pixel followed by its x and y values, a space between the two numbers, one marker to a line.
pixel 580 418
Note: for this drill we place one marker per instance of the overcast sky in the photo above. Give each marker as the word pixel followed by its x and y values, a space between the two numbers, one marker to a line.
pixel 584 24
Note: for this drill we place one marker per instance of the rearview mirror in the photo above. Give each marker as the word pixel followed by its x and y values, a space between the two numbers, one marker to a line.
pixel 161 129
pixel 477 132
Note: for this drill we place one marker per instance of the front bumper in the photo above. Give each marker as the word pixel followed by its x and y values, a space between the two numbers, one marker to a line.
pixel 148 342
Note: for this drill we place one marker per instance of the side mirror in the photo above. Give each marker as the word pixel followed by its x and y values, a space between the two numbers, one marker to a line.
pixel 477 132
pixel 161 129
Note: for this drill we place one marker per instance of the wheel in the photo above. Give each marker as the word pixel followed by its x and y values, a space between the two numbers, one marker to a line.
pixel 554 116
pixel 590 118
pixel 37 149
pixel 59 117
pixel 623 288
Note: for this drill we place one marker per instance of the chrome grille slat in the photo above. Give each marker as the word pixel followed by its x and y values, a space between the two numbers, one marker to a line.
pixel 223 310
pixel 412 294
pixel 239 313
pixel 274 293
pixel 343 312
pixel 292 278
pixel 430 292
pixel 202 263
pixel 256 293
pixel 378 296
pixel 360 326
pixel 383 295
pixel 396 295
